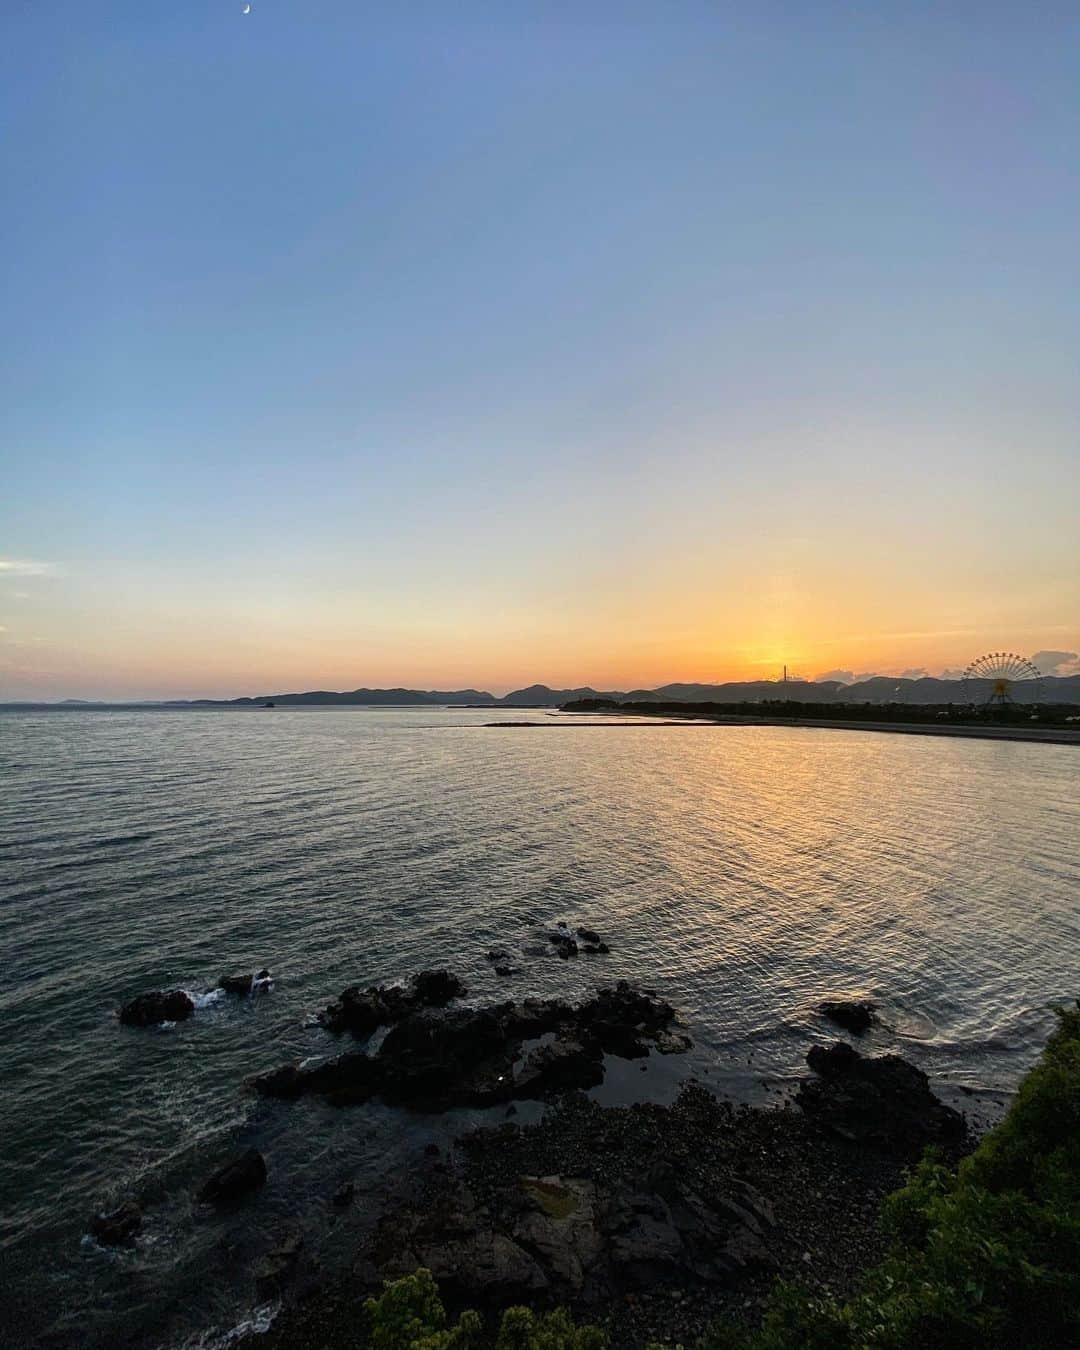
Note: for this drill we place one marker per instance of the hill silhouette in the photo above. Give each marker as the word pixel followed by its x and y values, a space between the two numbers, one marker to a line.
pixel 877 689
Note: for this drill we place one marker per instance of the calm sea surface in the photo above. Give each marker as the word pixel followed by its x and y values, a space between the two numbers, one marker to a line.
pixel 744 872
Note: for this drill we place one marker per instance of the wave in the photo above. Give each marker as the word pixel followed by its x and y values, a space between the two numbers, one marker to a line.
pixel 257 1323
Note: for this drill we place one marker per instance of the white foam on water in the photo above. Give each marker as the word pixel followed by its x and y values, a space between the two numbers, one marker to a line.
pixel 257 1324
pixel 376 1039
pixel 207 1000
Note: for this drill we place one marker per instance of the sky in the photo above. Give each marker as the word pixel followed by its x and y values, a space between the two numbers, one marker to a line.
pixel 478 344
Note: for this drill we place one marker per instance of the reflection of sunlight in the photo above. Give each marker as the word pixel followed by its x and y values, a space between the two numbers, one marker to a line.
pixel 804 856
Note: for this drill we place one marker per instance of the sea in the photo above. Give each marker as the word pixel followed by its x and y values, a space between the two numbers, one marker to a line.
pixel 743 872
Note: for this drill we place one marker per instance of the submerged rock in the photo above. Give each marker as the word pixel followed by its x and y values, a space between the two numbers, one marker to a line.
pixel 231 1183
pixel 880 1100
pixel 569 943
pixel 118 1227
pixel 479 1056
pixel 362 1011
pixel 343 1196
pixel 278 1264
pixel 855 1015
pixel 503 961
pixel 159 1005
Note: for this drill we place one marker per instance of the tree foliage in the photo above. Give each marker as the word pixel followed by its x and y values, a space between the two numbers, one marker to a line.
pixel 409 1315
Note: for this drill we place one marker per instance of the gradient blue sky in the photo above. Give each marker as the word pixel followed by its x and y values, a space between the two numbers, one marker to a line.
pixel 470 344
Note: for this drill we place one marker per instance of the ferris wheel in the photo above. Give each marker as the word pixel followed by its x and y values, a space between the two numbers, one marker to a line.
pixel 992 679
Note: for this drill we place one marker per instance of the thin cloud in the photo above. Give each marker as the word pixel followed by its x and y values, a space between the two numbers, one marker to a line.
pixel 25 567
pixel 1057 663
pixel 852 677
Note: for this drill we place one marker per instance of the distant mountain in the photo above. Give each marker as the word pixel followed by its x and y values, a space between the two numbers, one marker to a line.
pixel 879 689
pixel 540 696
pixel 366 697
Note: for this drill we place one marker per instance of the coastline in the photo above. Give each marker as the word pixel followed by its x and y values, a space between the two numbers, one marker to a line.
pixel 812 1202
pixel 702 1223
pixel 1046 735
pixel 652 1219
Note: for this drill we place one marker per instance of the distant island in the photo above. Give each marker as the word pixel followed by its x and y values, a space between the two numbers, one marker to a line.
pixel 879 690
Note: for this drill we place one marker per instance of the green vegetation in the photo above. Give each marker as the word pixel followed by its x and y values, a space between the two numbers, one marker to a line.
pixel 983 1257
pixel 409 1315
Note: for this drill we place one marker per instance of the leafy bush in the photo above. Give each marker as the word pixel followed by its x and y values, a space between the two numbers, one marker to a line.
pixel 409 1315
pixel 521 1329
pixel 983 1257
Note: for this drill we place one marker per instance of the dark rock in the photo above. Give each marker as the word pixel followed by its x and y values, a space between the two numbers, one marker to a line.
pixel 573 1234
pixel 361 1011
pixel 463 1057
pixel 880 1100
pixel 237 984
pixel 431 1150
pixel 559 1067
pixel 833 1061
pixel 587 935
pixel 622 1019
pixel 146 1010
pixel 457 1241
pixel 853 1015
pixel 231 1183
pixel 499 956
pixel 278 1264
pixel 118 1227
pixel 671 1043
pixel 643 1242
pixel 288 1082
pixel 436 988
pixel 560 1227
pixel 603 948
pixel 565 945
pixel 476 1057
pixel 343 1196
pixel 347 1080
pixel 506 970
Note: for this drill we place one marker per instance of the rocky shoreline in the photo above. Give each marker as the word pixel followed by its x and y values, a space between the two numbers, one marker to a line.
pixel 650 1220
